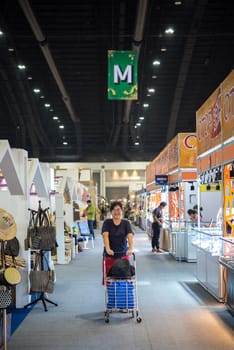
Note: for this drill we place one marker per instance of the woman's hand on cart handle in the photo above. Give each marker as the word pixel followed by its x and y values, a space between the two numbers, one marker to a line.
pixel 110 252
pixel 129 251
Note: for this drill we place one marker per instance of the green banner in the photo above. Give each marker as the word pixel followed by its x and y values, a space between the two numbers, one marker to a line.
pixel 122 75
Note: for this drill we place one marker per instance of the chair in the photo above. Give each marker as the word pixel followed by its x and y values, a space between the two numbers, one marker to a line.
pixel 85 233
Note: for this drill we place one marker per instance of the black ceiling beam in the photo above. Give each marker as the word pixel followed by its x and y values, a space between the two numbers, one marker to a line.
pixel 184 68
pixel 54 70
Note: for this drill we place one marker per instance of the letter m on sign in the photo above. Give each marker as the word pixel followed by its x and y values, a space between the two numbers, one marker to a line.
pixel 122 75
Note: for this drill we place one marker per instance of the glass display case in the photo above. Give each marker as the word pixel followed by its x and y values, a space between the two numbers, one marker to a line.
pixel 209 271
pixel 227 257
pixel 180 241
pixel 208 239
pixel 227 261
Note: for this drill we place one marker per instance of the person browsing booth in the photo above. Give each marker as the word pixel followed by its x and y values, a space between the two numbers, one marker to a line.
pixel 90 213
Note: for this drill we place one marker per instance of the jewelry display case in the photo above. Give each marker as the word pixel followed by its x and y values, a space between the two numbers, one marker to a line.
pixel 209 272
pixel 227 260
pixel 180 241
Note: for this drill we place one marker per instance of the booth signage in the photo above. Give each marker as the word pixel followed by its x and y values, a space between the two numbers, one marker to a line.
pixel 161 179
pixel 122 75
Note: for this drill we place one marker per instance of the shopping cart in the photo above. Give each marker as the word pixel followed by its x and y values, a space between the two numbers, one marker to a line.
pixel 121 293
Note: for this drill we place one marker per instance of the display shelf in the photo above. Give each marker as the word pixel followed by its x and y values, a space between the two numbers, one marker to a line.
pixel 209 272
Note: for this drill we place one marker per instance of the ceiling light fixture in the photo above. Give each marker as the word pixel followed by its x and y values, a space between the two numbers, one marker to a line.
pixel 47 105
pixel 146 105
pixel 151 90
pixel 65 143
pixel 169 31
pixel 61 126
pixel 55 117
pixel 177 2
pixel 21 66
pixel 156 63
pixel 154 76
pixel 1 32
pixel 141 118
pixel 42 96
pixel 11 49
pixel 136 143
pixel 36 90
pixel 29 78
pixel 163 49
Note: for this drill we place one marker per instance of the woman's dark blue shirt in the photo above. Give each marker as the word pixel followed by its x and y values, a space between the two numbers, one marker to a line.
pixel 117 236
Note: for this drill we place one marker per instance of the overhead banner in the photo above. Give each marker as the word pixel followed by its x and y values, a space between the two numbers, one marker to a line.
pixel 122 75
pixel 208 121
pixel 228 106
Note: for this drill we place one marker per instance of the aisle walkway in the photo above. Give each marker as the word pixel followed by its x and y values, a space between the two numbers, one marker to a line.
pixel 176 312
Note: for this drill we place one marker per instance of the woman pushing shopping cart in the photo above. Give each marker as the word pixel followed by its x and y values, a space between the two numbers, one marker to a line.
pixel 118 249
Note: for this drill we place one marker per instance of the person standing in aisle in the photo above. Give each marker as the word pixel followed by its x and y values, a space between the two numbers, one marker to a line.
pixel 117 237
pixel 156 226
pixel 90 213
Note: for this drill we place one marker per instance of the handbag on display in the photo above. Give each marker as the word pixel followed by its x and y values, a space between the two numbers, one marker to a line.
pixel 9 276
pixel 41 280
pixel 41 234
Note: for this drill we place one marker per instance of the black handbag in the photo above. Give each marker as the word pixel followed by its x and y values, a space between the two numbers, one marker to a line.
pixel 41 280
pixel 41 234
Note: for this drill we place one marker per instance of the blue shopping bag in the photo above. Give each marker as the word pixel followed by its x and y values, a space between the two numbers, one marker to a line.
pixel 121 295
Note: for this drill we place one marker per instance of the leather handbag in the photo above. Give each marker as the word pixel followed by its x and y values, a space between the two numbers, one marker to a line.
pixel 41 234
pixel 9 276
pixel 41 280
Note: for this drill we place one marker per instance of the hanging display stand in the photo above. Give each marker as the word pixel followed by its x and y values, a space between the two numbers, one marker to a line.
pixel 40 214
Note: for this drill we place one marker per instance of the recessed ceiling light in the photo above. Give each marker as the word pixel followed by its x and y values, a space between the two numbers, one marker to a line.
pixel 145 105
pixel 65 143
pixel 21 66
pixel 169 31
pixel 136 143
pixel 55 117
pixel 47 105
pixel 11 49
pixel 151 90
pixel 29 78
pixel 36 90
pixel 156 63
pixel 42 96
pixel 1 32
pixel 177 2
pixel 142 118
pixel 154 76
pixel 138 124
pixel 163 49
pixel 61 126
pixel 51 110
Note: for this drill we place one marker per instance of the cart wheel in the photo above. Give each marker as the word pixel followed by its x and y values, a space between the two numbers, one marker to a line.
pixel 139 319
pixel 107 320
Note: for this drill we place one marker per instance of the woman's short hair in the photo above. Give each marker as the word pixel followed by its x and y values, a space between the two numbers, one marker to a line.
pixel 116 204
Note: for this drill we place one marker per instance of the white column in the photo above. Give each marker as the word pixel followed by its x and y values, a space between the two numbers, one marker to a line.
pixel 103 182
pixel 59 210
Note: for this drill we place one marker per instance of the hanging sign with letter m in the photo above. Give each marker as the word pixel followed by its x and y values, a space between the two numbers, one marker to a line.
pixel 122 75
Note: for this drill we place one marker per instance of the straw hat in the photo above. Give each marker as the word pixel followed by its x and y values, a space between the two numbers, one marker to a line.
pixel 7 226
